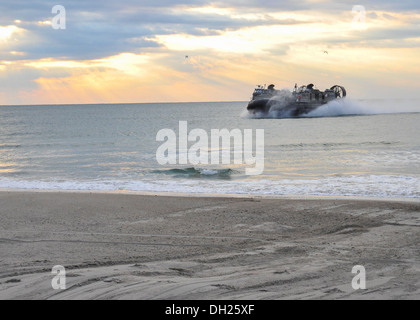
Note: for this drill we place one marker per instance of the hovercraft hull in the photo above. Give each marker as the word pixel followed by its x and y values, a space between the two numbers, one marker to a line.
pixel 295 109
pixel 301 101
pixel 259 106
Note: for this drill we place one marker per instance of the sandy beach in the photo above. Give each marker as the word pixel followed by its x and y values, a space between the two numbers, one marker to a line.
pixel 122 246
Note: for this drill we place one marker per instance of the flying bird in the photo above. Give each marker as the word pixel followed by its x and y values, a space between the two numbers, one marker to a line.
pixel 326 52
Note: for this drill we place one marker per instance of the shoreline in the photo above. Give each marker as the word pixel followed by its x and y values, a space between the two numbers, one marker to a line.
pixel 129 246
pixel 215 195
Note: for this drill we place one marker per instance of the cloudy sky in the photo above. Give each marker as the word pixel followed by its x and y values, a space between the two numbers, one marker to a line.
pixel 185 50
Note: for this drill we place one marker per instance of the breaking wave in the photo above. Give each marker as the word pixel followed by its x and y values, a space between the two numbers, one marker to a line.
pixel 198 173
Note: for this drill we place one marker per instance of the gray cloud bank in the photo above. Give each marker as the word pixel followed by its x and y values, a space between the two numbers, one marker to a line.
pixel 97 29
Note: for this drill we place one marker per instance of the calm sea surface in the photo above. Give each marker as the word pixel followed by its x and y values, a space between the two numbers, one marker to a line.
pixel 352 149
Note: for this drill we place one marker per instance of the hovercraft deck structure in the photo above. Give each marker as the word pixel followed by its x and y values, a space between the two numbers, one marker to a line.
pixel 302 101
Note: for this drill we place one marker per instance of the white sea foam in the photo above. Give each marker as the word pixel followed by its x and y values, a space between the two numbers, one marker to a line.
pixel 358 186
pixel 209 172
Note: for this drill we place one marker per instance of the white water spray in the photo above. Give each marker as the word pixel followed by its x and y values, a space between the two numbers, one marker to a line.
pixel 339 108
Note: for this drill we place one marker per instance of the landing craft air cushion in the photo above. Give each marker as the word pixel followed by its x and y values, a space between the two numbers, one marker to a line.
pixel 302 101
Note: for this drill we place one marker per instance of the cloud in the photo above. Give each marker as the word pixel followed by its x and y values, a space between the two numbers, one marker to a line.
pixel 101 29
pixel 106 28
pixel 119 51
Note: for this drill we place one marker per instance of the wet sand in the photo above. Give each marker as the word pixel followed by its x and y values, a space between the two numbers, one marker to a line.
pixel 122 246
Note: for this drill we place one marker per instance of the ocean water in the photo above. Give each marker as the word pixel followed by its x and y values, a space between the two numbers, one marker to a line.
pixel 348 148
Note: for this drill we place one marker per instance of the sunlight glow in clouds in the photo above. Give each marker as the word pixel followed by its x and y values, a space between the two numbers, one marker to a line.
pixel 125 63
pixel 7 32
pixel 231 13
pixel 205 52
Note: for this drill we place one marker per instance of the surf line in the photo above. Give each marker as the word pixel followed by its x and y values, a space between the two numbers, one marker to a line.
pixel 175 149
